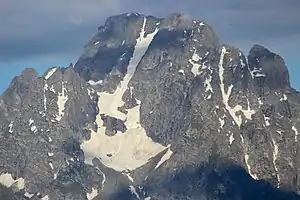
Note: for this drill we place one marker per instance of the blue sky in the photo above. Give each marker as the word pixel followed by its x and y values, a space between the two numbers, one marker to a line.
pixel 53 33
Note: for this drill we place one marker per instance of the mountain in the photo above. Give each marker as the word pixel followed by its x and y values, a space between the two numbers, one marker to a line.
pixel 154 109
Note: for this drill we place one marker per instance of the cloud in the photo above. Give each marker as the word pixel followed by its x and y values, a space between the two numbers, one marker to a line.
pixel 46 28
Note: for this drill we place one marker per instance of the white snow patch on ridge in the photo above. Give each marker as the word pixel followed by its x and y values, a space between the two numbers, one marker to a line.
pixel 50 73
pixel 133 148
pixel 7 180
pixel 247 113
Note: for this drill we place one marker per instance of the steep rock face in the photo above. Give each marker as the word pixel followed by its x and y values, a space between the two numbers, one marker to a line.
pixel 154 109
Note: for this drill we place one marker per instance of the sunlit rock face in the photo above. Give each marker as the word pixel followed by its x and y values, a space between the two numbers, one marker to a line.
pixel 155 108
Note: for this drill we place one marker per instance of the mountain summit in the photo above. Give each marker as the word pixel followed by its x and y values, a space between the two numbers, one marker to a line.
pixel 154 109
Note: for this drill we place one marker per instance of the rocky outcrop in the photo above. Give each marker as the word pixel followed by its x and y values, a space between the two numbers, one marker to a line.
pixel 154 109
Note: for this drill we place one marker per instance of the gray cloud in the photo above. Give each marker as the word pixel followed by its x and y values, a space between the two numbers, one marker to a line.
pixel 62 27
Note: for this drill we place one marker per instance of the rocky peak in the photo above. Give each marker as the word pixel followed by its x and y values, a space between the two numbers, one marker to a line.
pixel 269 68
pixel 153 109
pixel 119 34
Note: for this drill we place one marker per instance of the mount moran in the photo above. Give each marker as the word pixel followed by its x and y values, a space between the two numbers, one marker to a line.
pixel 154 109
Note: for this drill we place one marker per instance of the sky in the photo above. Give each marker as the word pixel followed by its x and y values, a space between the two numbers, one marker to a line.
pixel 42 34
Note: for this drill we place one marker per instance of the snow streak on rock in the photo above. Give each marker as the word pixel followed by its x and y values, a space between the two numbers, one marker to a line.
pixel 133 191
pixel 249 168
pixel 232 111
pixel 275 157
pixel 11 127
pixel 225 95
pixel 296 133
pixel 165 157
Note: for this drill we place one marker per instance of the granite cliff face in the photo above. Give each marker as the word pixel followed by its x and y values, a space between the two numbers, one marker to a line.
pixel 154 109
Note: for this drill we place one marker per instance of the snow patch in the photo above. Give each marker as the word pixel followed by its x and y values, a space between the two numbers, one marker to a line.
pixel 181 71
pixel 52 89
pixel 7 180
pixel 129 177
pixel 33 129
pixel 30 122
pixel 62 98
pixel 92 195
pixel 90 92
pixel 49 139
pixel 231 138
pixel 267 120
pixel 104 178
pixel 96 42
pixel 11 127
pixel 284 98
pixel 91 82
pixel 296 133
pixel 222 121
pixel 28 195
pixel 242 138
pixel 50 154
pixel 195 68
pixel 257 72
pixel 45 197
pixel 50 73
pixel 133 148
pixel 207 84
pixel 51 165
pixel 260 101
pixel 129 150
pixel 279 132
pixel 242 63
